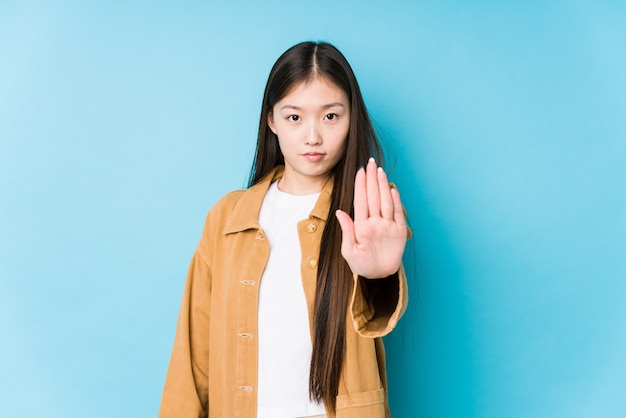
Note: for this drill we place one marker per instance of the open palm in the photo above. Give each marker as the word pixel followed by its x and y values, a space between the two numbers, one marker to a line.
pixel 374 242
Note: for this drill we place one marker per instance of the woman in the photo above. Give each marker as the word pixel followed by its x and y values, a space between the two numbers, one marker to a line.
pixel 296 279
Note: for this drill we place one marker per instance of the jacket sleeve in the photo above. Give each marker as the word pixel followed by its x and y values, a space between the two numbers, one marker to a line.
pixel 377 304
pixel 185 394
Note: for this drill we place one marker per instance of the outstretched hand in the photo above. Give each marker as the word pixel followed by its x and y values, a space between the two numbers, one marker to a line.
pixel 374 242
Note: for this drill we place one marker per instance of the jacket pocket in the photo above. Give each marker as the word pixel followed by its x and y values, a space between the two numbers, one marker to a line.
pixel 361 399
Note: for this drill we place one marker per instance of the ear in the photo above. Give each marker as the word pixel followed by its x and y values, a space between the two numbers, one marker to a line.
pixel 270 122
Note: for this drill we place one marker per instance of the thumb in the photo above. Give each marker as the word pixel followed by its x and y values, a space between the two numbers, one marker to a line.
pixel 348 239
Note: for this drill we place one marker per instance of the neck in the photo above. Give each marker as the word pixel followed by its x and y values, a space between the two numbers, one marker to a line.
pixel 301 188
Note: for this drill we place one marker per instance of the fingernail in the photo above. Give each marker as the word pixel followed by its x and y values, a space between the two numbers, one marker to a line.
pixel 371 160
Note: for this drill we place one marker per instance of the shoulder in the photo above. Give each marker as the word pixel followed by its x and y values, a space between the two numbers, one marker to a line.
pixel 229 200
pixel 224 207
pixel 216 219
pixel 238 210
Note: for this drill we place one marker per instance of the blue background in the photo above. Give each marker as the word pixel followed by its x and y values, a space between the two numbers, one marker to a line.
pixel 121 123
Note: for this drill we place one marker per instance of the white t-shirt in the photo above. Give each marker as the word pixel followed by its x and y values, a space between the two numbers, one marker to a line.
pixel 284 337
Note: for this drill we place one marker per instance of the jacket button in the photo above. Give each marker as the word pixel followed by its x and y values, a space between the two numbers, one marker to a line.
pixel 311 227
pixel 312 263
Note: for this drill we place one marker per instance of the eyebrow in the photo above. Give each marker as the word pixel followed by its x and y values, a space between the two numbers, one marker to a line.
pixel 327 106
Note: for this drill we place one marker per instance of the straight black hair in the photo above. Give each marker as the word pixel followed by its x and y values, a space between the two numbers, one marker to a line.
pixel 303 63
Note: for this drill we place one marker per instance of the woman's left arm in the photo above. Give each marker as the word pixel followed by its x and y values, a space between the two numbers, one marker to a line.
pixel 373 245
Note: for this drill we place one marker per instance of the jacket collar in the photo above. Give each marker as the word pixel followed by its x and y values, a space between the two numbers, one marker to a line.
pixel 245 214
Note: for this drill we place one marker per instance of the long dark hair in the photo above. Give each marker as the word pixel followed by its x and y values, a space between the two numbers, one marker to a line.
pixel 302 63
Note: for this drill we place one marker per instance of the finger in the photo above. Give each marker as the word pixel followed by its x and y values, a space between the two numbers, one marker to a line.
pixel 348 239
pixel 373 197
pixel 386 202
pixel 398 211
pixel 360 196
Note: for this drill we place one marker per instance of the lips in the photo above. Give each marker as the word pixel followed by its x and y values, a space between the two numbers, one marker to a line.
pixel 313 156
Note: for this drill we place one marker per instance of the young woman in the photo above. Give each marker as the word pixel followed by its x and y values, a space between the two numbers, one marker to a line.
pixel 296 279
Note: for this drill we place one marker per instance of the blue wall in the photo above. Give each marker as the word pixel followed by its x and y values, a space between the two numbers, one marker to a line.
pixel 121 123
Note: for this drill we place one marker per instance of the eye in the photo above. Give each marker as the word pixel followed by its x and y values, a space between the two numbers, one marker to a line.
pixel 293 118
pixel 332 116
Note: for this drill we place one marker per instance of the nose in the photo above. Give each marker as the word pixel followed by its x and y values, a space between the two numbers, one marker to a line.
pixel 314 136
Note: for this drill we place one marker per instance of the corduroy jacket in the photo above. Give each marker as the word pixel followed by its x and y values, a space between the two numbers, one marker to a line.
pixel 213 368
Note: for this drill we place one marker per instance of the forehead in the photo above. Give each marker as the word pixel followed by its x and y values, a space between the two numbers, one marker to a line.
pixel 316 90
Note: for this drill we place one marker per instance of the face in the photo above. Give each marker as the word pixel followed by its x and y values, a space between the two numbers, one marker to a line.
pixel 312 124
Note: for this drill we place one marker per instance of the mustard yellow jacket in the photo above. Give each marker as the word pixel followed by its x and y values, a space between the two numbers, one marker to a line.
pixel 213 368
